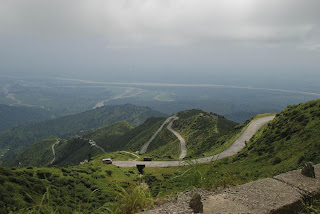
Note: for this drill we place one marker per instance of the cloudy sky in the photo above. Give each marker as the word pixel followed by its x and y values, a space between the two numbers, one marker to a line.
pixel 159 37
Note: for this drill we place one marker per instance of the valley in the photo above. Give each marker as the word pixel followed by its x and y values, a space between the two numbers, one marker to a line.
pixel 216 149
pixel 159 107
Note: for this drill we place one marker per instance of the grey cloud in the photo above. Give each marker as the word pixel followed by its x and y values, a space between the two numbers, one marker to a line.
pixel 176 22
pixel 160 35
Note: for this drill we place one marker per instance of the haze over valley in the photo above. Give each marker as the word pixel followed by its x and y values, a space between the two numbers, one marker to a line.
pixel 159 106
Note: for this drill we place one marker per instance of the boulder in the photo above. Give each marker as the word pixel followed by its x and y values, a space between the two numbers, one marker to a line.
pixel 196 204
pixel 308 170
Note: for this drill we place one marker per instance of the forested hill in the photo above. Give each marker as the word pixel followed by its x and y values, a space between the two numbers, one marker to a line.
pixel 72 151
pixel 12 116
pixel 19 138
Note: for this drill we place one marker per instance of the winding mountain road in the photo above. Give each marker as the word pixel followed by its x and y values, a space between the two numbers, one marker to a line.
pixel 236 147
pixel 53 151
pixel 145 146
pixel 182 141
pixel 169 120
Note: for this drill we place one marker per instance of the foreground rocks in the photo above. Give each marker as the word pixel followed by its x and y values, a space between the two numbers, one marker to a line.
pixel 180 204
pixel 285 193
pixel 196 203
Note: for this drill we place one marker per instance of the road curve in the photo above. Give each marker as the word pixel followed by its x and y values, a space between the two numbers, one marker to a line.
pixel 236 147
pixel 53 151
pixel 145 146
pixel 182 141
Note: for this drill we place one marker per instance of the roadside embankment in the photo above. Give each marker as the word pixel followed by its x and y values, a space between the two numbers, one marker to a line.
pixel 284 193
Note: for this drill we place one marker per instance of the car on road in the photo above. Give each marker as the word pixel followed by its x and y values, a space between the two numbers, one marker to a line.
pixel 107 161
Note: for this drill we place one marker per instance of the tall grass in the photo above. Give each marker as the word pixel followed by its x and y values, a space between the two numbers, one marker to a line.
pixel 133 199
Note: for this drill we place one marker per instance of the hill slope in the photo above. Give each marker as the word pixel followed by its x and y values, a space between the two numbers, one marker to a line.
pixel 202 132
pixel 288 141
pixel 72 151
pixel 12 116
pixel 19 138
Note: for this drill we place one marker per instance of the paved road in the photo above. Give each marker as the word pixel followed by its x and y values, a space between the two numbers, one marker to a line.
pixel 182 141
pixel 145 146
pixel 53 151
pixel 236 147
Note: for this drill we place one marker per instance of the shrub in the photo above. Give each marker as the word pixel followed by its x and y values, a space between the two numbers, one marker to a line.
pixel 134 199
pixel 276 160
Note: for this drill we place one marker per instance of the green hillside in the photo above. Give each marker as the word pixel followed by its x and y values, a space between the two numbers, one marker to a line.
pixel 74 150
pixel 91 188
pixel 284 144
pixel 12 116
pixel 203 132
pixel 108 136
pixel 138 136
pixel 38 154
pixel 77 150
pixel 16 140
pixel 287 142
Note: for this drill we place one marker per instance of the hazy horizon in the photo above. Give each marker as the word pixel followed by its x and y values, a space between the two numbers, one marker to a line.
pixel 246 43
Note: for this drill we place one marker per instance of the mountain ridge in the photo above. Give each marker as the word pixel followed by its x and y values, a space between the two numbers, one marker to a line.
pixel 14 141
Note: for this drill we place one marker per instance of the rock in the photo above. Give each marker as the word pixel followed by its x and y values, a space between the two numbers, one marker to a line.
pixel 196 204
pixel 308 170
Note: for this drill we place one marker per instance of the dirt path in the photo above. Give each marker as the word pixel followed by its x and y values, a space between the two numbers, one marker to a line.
pixel 145 146
pixel 53 151
pixel 182 141
pixel 236 147
pixel 130 153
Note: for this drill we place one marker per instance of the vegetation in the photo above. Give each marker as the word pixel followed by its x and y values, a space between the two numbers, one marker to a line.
pixel 21 137
pixel 286 143
pixel 138 136
pixel 203 131
pixel 38 154
pixel 91 188
pixel 12 116
pixel 72 151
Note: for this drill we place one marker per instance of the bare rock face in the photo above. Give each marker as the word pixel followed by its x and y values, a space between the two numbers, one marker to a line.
pixel 196 204
pixel 308 170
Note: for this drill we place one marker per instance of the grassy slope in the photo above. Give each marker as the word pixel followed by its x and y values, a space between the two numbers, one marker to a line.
pixel 21 137
pixel 138 136
pixel 286 143
pixel 107 137
pixel 203 131
pixel 84 188
pixel 292 136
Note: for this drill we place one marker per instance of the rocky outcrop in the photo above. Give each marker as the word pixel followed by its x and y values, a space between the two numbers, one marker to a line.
pixel 285 193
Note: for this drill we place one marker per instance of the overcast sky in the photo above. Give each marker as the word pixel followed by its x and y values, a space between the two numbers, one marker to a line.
pixel 156 37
